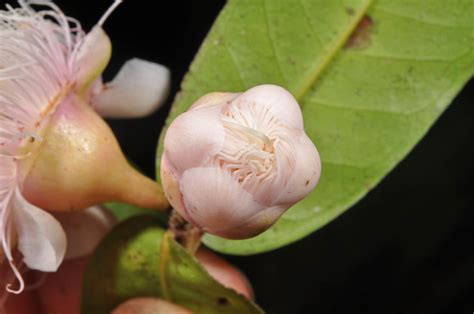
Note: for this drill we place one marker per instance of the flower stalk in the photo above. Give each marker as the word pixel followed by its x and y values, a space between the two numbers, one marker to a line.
pixel 185 233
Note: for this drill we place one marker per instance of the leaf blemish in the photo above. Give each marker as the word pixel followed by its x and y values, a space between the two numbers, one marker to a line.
pixel 222 301
pixel 360 37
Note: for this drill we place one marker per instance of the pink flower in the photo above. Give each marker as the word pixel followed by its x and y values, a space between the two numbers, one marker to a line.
pixel 234 163
pixel 49 76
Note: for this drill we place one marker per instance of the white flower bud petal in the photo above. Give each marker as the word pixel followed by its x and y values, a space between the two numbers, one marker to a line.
pixel 194 137
pixel 257 223
pixel 138 90
pixel 233 163
pixel 279 101
pixel 41 239
pixel 85 229
pixel 93 56
pixel 267 191
pixel 216 202
pixel 170 182
pixel 306 174
pixel 213 99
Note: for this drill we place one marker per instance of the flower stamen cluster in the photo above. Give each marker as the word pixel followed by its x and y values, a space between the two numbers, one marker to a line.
pixel 38 54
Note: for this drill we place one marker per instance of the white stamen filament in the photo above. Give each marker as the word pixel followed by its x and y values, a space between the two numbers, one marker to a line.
pixel 15 157
pixel 257 150
pixel 252 134
pixel 37 68
pixel 109 11
pixel 6 228
pixel 248 152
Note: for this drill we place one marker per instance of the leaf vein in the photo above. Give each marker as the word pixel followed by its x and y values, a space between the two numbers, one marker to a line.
pixel 316 69
pixel 234 64
pixel 403 58
pixel 342 164
pixel 310 24
pixel 427 22
pixel 353 108
pixel 272 44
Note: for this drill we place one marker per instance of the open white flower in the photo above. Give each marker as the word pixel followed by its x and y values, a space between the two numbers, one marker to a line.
pixel 53 146
pixel 233 163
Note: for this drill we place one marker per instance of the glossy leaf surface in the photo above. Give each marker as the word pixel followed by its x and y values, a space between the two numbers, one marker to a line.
pixel 371 78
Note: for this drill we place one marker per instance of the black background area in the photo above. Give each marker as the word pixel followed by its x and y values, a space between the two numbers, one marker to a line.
pixel 405 248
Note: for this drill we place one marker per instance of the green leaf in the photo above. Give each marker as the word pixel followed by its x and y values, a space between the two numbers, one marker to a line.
pixel 371 78
pixel 124 211
pixel 138 258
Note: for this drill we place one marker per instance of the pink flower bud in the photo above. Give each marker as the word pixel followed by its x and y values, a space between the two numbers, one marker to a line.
pixel 234 163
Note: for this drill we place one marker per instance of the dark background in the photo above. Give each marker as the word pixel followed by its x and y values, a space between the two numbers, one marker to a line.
pixel 405 248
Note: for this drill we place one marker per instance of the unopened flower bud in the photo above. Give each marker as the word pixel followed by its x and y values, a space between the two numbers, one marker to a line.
pixel 234 163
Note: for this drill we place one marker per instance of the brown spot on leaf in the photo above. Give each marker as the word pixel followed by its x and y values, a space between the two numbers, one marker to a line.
pixel 350 11
pixel 360 37
pixel 222 301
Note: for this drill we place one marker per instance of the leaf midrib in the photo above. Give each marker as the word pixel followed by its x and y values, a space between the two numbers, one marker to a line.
pixel 317 68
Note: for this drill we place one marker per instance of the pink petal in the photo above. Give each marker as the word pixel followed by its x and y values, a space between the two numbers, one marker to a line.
pixel 85 229
pixel 138 90
pixel 213 99
pixel 259 222
pixel 306 173
pixel 93 56
pixel 215 202
pixel 283 105
pixel 41 239
pixel 194 138
pixel 265 192
pixel 169 180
